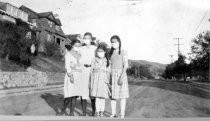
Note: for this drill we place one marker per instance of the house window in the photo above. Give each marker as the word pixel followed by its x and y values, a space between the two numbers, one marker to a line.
pixel 50 23
pixel 34 22
pixel 57 28
pixel 28 35
pixel 48 37
pixel 58 41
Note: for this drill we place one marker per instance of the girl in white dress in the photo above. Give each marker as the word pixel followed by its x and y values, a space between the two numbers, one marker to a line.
pixel 72 78
pixel 87 55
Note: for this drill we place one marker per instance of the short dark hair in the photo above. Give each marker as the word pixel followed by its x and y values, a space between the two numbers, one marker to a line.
pixel 89 34
pixel 73 42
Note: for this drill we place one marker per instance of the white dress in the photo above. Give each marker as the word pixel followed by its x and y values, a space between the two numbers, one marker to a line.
pixel 71 65
pixel 87 55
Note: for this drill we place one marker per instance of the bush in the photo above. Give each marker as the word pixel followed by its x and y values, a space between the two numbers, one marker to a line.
pixel 51 48
pixel 57 55
pixel 13 42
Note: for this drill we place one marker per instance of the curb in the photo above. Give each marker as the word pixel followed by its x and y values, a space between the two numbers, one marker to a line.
pixel 28 90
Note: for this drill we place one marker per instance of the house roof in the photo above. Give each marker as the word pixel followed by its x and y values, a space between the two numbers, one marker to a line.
pixel 35 15
pixel 32 14
pixel 61 33
pixel 72 36
pixel 48 15
pixel 58 21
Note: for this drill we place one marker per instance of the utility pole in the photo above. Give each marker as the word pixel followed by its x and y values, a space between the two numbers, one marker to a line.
pixel 178 44
pixel 171 58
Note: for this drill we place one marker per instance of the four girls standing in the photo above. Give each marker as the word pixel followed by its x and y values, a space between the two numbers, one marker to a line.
pixel 96 74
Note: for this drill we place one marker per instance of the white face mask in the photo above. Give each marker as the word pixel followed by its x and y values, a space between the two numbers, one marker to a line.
pixel 101 54
pixel 86 41
pixel 115 45
pixel 76 48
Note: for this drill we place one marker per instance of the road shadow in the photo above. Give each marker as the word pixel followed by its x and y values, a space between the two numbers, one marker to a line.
pixel 175 86
pixel 55 101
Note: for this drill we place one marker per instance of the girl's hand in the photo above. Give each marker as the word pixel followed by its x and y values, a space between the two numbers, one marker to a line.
pixel 120 82
pixel 72 79
pixel 70 75
pixel 108 85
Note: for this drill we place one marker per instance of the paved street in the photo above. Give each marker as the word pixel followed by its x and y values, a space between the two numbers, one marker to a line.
pixel 148 99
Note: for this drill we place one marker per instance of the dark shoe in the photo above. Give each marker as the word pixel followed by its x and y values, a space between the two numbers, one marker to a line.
pixel 113 116
pixel 97 114
pixel 101 114
pixel 60 114
pixel 71 114
pixel 93 113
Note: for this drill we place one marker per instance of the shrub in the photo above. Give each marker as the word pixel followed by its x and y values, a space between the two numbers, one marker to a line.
pixel 51 48
pixel 57 55
pixel 13 42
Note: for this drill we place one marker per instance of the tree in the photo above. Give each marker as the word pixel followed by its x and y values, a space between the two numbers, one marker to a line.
pixel 144 71
pixel 169 71
pixel 14 44
pixel 200 50
pixel 51 48
pixel 181 67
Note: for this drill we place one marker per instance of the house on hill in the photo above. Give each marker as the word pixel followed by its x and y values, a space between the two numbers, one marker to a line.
pixel 9 12
pixel 48 28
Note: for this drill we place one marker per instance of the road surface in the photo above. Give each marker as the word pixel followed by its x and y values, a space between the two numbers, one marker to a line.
pixel 148 99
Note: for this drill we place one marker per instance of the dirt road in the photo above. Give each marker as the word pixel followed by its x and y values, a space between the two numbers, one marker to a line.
pixel 148 99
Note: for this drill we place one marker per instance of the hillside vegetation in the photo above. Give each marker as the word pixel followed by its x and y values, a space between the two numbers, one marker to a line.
pixel 40 63
pixel 143 68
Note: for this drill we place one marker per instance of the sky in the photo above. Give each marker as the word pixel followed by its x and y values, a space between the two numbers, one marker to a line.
pixel 146 27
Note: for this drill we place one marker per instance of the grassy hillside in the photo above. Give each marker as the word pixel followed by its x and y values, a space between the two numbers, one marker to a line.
pixel 40 63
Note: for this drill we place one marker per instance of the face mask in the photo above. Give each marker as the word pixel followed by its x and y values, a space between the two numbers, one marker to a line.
pixel 101 54
pixel 76 48
pixel 115 45
pixel 86 41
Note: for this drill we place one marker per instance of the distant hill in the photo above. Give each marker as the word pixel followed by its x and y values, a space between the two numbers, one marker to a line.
pixel 155 68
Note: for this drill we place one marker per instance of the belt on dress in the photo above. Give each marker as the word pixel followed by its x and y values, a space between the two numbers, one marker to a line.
pixel 87 65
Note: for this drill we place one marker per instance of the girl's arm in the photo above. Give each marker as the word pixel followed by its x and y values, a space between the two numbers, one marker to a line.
pixel 68 63
pixel 125 64
pixel 108 71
